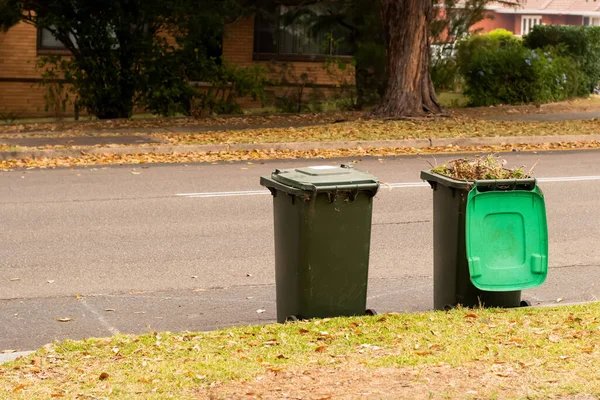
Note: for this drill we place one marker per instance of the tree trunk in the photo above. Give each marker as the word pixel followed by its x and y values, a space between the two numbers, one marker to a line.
pixel 410 91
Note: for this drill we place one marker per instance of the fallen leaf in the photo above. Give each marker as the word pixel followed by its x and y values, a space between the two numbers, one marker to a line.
pixel 57 395
pixel 8 351
pixel 135 172
pixel 51 281
pixel 588 350
pixel 109 309
pixel 14 279
pixel 423 353
pixel 18 388
pixel 471 315
pixel 260 311
pixel 103 376
pixel 64 319
pixel 321 349
pixel 559 299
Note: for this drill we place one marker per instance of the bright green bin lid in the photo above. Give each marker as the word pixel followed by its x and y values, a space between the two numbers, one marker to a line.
pixel 506 239
pixel 321 178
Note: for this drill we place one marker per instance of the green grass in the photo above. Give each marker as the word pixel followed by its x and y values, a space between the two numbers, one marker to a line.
pixel 452 100
pixel 527 350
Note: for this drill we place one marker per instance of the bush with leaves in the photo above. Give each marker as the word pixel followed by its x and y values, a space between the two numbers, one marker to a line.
pixel 227 83
pixel 498 69
pixel 119 57
pixel 581 43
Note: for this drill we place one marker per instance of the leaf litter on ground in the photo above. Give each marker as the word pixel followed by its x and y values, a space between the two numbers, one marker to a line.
pixel 86 159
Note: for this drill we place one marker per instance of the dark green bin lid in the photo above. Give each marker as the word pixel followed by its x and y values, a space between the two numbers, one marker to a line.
pixel 322 178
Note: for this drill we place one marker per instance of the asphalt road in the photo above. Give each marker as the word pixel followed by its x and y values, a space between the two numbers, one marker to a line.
pixel 127 249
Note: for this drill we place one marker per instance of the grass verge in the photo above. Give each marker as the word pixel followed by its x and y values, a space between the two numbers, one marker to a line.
pixel 487 353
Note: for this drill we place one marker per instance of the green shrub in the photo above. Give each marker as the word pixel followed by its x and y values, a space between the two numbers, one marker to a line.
pixel 227 84
pixel 445 74
pixel 498 69
pixel 581 43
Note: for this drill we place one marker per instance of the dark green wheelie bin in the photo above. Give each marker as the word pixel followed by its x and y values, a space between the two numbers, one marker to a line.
pixel 322 220
pixel 490 241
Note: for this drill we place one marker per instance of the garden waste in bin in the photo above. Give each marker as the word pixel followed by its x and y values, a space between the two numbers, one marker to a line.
pixel 322 219
pixel 490 240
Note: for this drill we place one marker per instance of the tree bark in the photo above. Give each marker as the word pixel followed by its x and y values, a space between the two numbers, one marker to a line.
pixel 410 91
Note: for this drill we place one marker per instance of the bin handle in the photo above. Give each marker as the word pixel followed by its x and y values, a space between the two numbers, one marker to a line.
pixel 510 183
pixel 347 188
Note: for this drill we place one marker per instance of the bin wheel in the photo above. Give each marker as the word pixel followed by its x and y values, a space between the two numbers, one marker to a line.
pixel 291 318
pixel 525 303
pixel 448 307
pixel 370 312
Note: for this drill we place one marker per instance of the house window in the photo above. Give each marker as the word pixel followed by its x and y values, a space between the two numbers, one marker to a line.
pixel 591 21
pixel 48 44
pixel 47 41
pixel 274 38
pixel 528 22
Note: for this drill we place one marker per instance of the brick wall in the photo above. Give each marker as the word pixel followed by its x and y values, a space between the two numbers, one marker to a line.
pixel 512 22
pixel 495 21
pixel 20 92
pixel 238 48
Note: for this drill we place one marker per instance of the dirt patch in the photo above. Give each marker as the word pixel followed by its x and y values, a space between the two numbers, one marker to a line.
pixel 578 105
pixel 472 381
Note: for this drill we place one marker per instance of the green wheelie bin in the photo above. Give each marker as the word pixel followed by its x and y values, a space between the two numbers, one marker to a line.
pixel 322 220
pixel 490 241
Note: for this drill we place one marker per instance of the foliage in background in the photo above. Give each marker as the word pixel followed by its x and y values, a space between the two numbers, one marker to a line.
pixel 56 94
pixel 452 22
pixel 357 23
pixel 498 69
pixel 581 43
pixel 488 167
pixel 227 83
pixel 7 116
pixel 118 48
pixel 299 91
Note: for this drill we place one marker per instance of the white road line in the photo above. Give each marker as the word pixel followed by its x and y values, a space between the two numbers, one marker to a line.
pixel 100 318
pixel 570 179
pixel 399 185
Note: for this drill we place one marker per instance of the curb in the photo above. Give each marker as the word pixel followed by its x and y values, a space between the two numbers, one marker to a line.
pixel 4 358
pixel 299 146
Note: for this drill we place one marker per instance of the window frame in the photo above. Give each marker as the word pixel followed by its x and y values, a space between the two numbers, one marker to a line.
pixel 290 57
pixel 49 50
pixel 591 20
pixel 529 18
